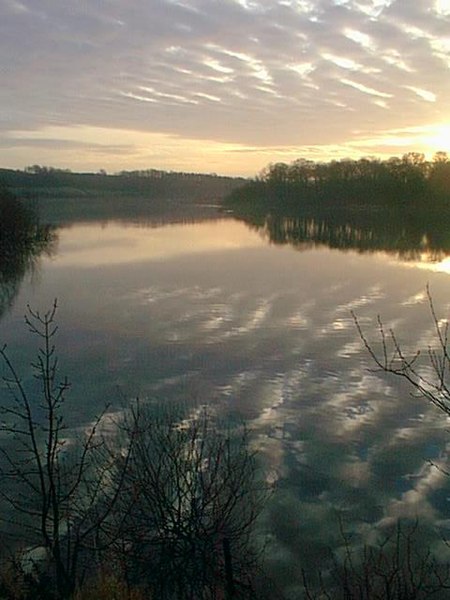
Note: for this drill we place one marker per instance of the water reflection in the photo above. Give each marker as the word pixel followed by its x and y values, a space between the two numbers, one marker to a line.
pixel 409 236
pixel 212 313
pixel 121 243
pixel 21 244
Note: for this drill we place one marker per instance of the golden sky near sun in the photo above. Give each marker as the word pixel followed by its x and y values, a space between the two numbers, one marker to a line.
pixel 222 87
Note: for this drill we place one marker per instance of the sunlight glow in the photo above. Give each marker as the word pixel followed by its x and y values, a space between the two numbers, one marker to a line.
pixel 92 148
pixel 439 139
pixel 443 7
pixel 442 266
pixel 427 139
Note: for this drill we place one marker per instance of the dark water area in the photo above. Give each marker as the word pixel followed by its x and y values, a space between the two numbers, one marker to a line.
pixel 252 315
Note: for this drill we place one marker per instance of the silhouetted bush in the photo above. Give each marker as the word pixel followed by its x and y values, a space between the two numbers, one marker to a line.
pixel 22 239
pixel 162 500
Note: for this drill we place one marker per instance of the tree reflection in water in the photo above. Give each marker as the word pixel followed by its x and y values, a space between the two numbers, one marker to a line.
pixel 407 235
pixel 23 239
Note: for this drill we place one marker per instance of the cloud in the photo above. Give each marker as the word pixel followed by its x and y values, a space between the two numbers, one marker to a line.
pixel 62 144
pixel 253 72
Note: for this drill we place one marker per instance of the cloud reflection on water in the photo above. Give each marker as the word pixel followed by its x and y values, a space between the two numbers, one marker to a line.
pixel 264 333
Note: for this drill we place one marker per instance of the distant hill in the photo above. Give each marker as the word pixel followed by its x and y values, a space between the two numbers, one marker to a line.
pixel 48 182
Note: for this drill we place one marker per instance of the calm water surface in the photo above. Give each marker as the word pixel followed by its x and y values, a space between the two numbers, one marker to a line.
pixel 211 312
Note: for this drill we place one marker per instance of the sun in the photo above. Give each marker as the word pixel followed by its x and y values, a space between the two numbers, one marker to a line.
pixel 438 139
pixel 443 6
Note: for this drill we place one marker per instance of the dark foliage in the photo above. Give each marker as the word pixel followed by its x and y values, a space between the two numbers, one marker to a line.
pixel 151 183
pixel 406 181
pixel 190 505
pixel 19 227
pixel 22 239
pixel 166 500
pixel 56 490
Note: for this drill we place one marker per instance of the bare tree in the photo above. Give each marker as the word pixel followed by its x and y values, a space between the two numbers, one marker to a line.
pixel 406 573
pixel 164 501
pixel 58 490
pixel 192 500
pixel 433 383
pixel 397 568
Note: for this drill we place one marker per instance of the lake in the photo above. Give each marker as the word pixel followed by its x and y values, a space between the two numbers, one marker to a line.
pixel 213 312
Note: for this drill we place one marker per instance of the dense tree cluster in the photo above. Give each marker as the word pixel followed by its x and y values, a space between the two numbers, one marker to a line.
pixel 160 174
pixel 401 180
pixel 44 170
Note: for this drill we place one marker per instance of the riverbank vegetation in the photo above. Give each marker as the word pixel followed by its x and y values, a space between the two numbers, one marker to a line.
pixel 23 238
pixel 409 181
pixel 64 197
pixel 20 228
pixel 399 206
pixel 49 182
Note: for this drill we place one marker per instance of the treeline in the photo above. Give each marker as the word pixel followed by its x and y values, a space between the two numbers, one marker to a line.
pixel 45 181
pixel 400 181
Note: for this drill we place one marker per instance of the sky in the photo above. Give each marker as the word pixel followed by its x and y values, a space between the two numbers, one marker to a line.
pixel 224 86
